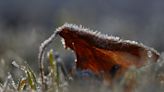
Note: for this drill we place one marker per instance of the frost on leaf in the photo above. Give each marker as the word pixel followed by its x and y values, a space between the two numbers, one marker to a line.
pixel 98 52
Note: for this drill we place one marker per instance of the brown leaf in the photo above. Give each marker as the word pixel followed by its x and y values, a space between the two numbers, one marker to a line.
pixel 101 53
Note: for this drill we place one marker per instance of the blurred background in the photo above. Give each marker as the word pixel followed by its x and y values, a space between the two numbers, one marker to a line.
pixel 24 24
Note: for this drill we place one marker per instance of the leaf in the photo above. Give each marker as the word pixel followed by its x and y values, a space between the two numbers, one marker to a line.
pixel 99 52
pixel 105 55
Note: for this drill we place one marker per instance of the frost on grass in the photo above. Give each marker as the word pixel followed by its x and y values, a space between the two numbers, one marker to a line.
pixel 149 79
pixel 41 57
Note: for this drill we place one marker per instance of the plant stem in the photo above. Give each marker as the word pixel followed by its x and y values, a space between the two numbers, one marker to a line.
pixel 41 58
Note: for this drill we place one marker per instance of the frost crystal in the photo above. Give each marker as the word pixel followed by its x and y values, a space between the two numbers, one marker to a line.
pixel 98 37
pixel 149 54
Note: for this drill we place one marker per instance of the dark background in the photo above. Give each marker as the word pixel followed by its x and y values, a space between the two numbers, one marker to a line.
pixel 24 24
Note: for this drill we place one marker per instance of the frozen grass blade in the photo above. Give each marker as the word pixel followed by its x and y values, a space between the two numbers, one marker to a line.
pixel 21 84
pixel 33 76
pixel 30 78
pixel 12 82
pixel 9 85
pixel 51 61
pixel 6 84
pixel 41 58
pixel 54 70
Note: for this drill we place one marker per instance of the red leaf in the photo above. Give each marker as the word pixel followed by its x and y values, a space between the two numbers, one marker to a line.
pixel 102 53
